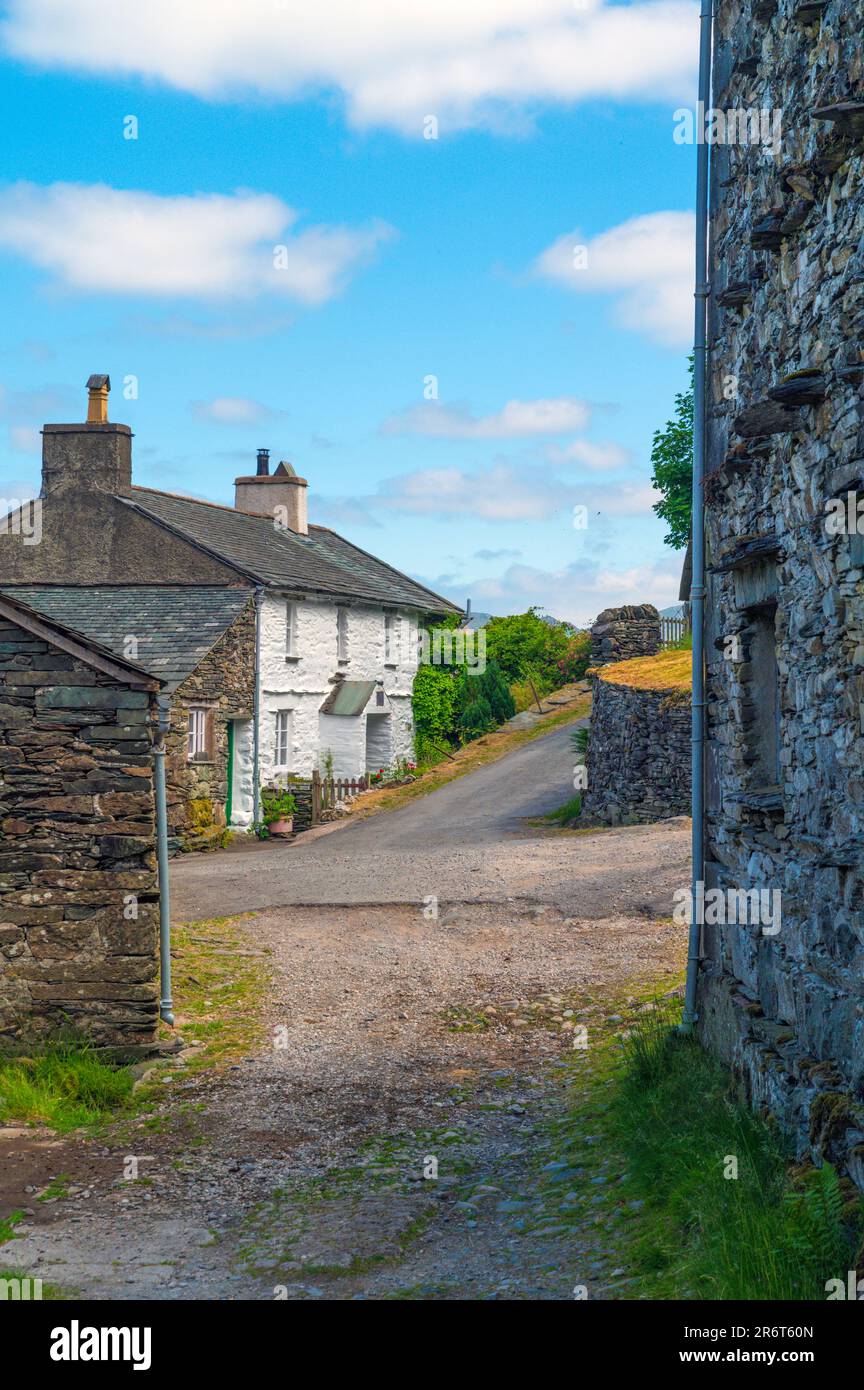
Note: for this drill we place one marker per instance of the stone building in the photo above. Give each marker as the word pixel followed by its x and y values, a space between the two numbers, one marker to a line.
pixel 79 902
pixel 335 643
pixel 785 587
pixel 200 642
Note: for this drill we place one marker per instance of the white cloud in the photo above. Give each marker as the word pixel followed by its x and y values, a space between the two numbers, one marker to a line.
pixel 498 492
pixel 576 592
pixel 646 263
pixel 488 62
pixel 27 439
pixel 599 458
pixel 216 246
pixel 517 420
pixel 233 410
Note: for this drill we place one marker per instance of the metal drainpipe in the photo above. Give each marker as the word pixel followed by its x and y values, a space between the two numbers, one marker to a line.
pixel 166 1003
pixel 697 583
pixel 256 711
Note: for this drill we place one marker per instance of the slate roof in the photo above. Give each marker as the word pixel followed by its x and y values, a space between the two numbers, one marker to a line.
pixel 175 625
pixel 320 562
pixel 348 697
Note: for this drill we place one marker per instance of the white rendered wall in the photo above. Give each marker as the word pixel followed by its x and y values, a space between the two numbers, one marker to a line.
pixel 303 684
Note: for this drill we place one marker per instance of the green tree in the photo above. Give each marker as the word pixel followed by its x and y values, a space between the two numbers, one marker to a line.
pixel 476 718
pixel 672 460
pixel 496 691
pixel 525 643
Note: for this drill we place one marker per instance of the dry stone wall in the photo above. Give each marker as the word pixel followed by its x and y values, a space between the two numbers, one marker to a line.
pixel 638 758
pixel 785 605
pixel 78 885
pixel 622 633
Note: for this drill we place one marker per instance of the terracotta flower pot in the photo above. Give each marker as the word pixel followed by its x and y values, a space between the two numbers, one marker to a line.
pixel 282 827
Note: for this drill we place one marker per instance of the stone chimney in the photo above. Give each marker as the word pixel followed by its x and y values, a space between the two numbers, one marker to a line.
pixel 91 456
pixel 280 495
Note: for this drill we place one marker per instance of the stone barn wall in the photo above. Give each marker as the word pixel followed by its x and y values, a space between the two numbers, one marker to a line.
pixel 622 633
pixel 79 902
pixel 785 606
pixel 638 754
pixel 224 683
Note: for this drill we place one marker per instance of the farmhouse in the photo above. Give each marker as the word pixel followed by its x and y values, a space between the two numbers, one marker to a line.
pixel 313 643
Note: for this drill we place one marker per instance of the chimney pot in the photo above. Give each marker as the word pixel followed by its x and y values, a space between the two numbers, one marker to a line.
pixel 98 387
pixel 263 463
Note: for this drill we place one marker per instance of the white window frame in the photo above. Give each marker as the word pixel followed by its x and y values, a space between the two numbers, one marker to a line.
pixel 342 644
pixel 291 631
pixel 197 746
pixel 284 730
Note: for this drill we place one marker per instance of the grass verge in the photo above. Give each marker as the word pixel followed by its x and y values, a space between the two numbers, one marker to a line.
pixel 220 977
pixel 219 981
pixel 710 1205
pixel 66 1086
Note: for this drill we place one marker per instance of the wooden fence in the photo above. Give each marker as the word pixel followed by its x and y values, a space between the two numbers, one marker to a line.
pixel 673 629
pixel 326 791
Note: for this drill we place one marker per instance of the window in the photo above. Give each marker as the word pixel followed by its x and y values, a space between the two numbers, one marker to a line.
pixel 291 631
pixel 283 738
pixel 763 733
pixel 391 635
pixel 200 735
pixel 341 634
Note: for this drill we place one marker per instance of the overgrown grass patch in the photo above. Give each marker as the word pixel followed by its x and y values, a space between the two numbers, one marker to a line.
pixel 711 1205
pixel 566 813
pixel 219 981
pixel 65 1086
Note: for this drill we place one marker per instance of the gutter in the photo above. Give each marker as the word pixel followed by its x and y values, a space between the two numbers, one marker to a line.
pixel 256 710
pixel 697 584
pixel 166 1004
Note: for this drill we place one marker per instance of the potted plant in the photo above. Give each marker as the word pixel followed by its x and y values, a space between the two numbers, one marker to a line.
pixel 277 810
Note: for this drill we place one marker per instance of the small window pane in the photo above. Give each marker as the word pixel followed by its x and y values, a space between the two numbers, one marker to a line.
pixel 283 738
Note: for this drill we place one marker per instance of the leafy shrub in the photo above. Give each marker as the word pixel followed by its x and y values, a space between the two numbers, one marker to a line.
pixel 526 644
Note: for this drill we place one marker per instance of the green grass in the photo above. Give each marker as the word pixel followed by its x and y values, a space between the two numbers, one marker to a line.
pixel 65 1086
pixel 775 1232
pixel 569 811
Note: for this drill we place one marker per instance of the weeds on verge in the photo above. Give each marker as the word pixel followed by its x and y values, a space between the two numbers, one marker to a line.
pixel 775 1231
pixel 65 1086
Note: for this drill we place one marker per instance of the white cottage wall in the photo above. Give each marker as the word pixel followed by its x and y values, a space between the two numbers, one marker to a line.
pixel 302 683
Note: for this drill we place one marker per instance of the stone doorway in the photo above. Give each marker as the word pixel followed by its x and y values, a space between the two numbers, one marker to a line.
pixel 379 741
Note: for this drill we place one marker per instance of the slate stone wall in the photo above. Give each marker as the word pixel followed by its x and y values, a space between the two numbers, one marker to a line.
pixel 622 633
pixel 638 755
pixel 78 886
pixel 224 682
pixel 786 435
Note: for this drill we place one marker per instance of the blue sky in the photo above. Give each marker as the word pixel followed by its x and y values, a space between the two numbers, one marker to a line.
pixel 405 258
